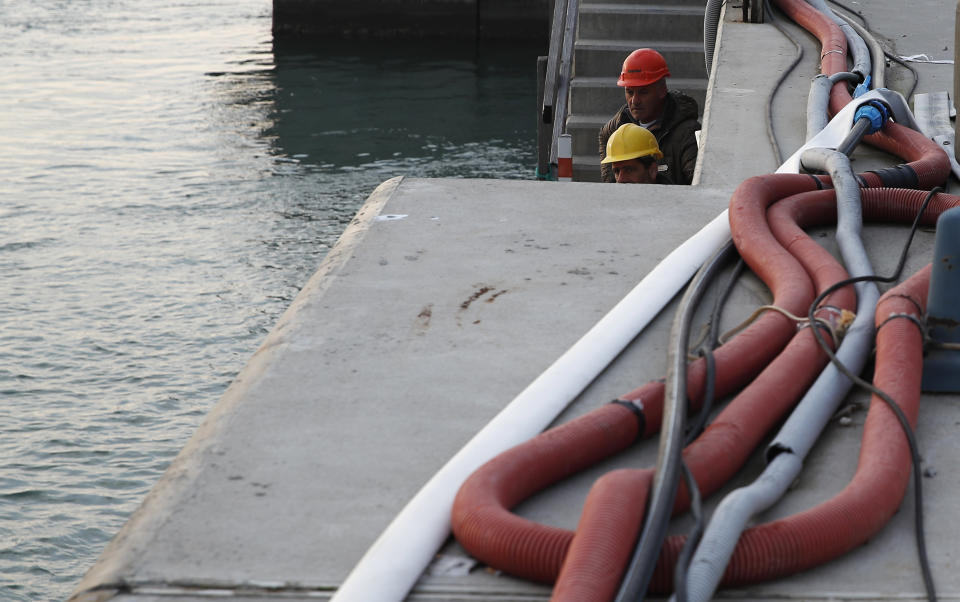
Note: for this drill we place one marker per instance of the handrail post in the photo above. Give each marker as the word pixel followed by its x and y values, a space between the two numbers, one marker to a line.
pixel 565 69
pixel 550 82
pixel 544 130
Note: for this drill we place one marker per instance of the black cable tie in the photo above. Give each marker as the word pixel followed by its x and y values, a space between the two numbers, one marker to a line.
pixel 837 311
pixel 817 180
pixel 637 408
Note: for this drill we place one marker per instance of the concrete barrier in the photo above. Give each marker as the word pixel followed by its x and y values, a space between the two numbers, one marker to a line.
pixel 472 19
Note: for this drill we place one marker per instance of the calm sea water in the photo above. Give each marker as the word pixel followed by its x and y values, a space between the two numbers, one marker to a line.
pixel 169 179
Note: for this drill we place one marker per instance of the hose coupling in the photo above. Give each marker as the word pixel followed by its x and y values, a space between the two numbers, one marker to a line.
pixel 875 111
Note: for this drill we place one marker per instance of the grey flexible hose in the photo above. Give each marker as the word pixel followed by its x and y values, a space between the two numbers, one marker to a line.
pixel 818 100
pixel 877 59
pixel 859 339
pixel 856 47
pixel 796 438
pixel 711 23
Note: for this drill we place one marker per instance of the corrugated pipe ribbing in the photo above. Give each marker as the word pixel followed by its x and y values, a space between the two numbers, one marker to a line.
pixel 607 531
pixel 813 537
pixel 833 528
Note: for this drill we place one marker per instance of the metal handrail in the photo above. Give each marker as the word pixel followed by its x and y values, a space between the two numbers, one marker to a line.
pixel 556 87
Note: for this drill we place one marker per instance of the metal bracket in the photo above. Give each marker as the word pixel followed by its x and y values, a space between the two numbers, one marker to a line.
pixel 933 114
pixel 941 366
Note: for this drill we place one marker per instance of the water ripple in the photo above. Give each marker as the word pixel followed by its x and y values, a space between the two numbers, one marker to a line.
pixel 172 177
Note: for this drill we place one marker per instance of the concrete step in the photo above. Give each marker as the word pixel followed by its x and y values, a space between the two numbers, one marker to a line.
pixel 598 57
pixel 584 130
pixel 645 21
pixel 586 168
pixel 603 95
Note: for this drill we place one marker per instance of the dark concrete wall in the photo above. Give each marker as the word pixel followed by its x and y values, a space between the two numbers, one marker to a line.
pixel 474 19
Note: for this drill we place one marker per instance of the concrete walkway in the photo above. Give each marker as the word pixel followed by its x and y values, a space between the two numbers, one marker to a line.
pixel 441 302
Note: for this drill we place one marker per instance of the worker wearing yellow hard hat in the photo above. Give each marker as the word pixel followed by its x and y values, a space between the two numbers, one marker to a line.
pixel 633 155
pixel 670 115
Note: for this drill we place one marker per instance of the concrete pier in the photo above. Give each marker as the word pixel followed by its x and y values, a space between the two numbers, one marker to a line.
pixel 441 302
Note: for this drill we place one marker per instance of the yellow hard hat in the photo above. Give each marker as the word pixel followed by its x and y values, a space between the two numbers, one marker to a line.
pixel 631 141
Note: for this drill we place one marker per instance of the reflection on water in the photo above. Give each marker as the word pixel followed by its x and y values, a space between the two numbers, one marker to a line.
pixel 466 110
pixel 170 181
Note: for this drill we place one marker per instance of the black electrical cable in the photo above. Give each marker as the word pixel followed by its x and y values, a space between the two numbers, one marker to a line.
pixel 706 350
pixel 666 477
pixel 783 76
pixel 693 536
pixel 696 508
pixel 908 431
pixel 916 76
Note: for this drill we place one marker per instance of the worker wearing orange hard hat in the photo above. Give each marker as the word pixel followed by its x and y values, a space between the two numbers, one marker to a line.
pixel 670 115
pixel 632 154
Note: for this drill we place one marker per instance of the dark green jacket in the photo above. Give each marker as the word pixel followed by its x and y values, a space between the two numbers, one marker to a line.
pixel 675 134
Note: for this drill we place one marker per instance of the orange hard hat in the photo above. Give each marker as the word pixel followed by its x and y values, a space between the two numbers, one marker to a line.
pixel 643 67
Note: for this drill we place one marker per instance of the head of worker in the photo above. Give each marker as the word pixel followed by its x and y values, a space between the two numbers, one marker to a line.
pixel 633 152
pixel 644 83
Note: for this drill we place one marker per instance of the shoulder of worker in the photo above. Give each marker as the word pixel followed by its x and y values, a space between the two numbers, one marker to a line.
pixel 685 107
pixel 664 178
pixel 621 117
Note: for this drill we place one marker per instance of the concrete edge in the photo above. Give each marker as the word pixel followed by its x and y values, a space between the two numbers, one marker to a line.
pixel 107 577
pixel 709 99
pixel 334 261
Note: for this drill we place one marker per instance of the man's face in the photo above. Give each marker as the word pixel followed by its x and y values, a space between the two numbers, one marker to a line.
pixel 646 102
pixel 635 171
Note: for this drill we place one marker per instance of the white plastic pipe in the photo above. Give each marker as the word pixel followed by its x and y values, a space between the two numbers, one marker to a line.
pixel 392 565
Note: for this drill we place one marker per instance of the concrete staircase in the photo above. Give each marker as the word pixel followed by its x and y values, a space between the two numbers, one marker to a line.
pixel 606 33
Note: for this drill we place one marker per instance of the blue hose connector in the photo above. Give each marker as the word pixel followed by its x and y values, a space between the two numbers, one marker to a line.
pixel 941 367
pixel 875 111
pixel 862 88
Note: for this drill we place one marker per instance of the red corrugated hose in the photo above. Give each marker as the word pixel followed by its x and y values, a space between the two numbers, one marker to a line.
pixel 771 361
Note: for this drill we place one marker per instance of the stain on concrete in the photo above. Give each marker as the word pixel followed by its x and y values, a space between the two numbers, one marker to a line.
pixel 481 290
pixel 494 296
pixel 476 295
pixel 423 318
